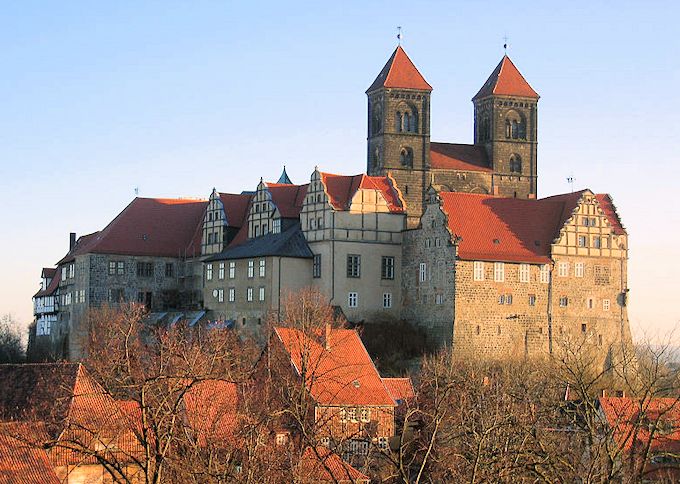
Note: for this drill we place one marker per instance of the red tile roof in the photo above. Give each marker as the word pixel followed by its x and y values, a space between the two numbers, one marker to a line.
pixel 342 188
pixel 236 207
pixel 52 286
pixel 322 465
pixel 343 375
pixel 399 388
pixel 48 272
pixel 400 72
pixel 506 80
pixel 288 198
pixel 149 227
pixel 607 206
pixel 509 229
pixel 210 408
pixel 451 156
pixel 22 457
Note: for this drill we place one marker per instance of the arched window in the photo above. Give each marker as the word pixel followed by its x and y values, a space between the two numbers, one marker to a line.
pixel 407 122
pixel 407 118
pixel 406 157
pixel 414 122
pixel 399 122
pixel 515 129
pixel 376 123
pixel 508 133
pixel 515 164
pixel 515 125
pixel 523 130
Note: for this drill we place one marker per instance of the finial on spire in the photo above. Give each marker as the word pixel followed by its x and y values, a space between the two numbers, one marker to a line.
pixel 399 35
pixel 505 43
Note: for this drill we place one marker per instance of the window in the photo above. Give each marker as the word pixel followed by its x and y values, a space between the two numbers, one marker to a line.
pixel 515 164
pixel 261 293
pixel 256 231
pixel 232 270
pixel 249 294
pixel 597 242
pixel 563 269
pixel 545 274
pixel 71 271
pixel 276 226
pixel 220 271
pixel 428 243
pixel 578 269
pixel 210 240
pixel 112 267
pixel 169 269
pixel 406 157
pixel 582 241
pixel 352 414
pixel 352 300
pixel 281 438
pixel 508 298
pixel 316 266
pixel 365 414
pixel 232 294
pixel 524 271
pixel 353 265
pixel 144 269
pixel 387 267
pixel 564 301
pixel 208 272
pixel 64 273
pixel 120 268
pixel 343 415
pixel 251 269
pixel 584 327
pixel 382 443
pixel 265 229
pixel 387 300
pixel 116 295
pixel 501 299
pixel 262 267
pixel 478 271
pixel 590 303
pixel 498 271
pixel 532 299
pixel 220 295
pixel 505 299
pixel 601 275
pixel 422 272
pixel 605 304
pixel 439 298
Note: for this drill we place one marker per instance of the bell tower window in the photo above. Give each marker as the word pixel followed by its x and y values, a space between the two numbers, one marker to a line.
pixel 407 119
pixel 376 122
pixel 515 164
pixel 515 126
pixel 406 157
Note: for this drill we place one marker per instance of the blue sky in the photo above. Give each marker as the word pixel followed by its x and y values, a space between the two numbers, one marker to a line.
pixel 176 98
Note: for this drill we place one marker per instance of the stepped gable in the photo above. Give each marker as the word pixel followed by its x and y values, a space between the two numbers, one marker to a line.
pixel 288 198
pixel 607 206
pixel 342 188
pixel 506 80
pixel 454 156
pixel 400 72
pixel 161 227
pixel 571 200
pixel 344 374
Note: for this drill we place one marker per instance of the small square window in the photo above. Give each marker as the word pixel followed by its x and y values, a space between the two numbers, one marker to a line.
pixel 564 301
pixel 605 304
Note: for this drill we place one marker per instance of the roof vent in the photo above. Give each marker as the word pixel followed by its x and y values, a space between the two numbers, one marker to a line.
pixel 355 383
pixel 145 237
pixel 537 243
pixel 496 241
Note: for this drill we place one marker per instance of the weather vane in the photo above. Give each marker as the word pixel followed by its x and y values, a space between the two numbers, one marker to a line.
pixel 505 43
pixel 570 181
pixel 399 35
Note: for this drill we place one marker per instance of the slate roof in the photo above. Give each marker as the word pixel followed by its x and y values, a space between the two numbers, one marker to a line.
pixel 289 243
pixel 506 80
pixel 400 72
pixel 23 460
pixel 284 178
pixel 342 188
pixel 343 375
pixel 322 465
pixel 159 227
pixel 453 156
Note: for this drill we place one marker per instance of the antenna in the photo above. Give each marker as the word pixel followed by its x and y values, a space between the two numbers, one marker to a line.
pixel 399 35
pixel 136 191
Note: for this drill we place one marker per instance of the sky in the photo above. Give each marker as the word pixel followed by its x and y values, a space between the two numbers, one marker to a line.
pixel 175 97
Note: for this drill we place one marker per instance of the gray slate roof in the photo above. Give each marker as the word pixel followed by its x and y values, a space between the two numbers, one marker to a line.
pixel 289 243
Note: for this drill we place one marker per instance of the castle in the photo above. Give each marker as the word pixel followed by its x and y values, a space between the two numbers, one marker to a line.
pixel 448 236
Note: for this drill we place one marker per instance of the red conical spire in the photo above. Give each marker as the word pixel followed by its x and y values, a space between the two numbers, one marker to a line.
pixel 400 72
pixel 506 80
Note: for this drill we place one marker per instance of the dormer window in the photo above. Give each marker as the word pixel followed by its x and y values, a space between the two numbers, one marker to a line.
pixel 276 226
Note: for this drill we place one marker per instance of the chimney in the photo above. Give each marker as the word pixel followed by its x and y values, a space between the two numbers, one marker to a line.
pixel 327 340
pixel 71 240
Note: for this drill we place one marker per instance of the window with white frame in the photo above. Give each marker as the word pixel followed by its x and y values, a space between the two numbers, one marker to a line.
pixel 524 272
pixel 439 298
pixel 249 294
pixel 343 414
pixel 71 271
pixel 544 274
pixel 582 241
pixel 208 272
pixel 220 271
pixel 112 267
pixel 220 295
pixel 532 299
pixel 387 300
pixel 251 269
pixel 605 304
pixel 120 268
pixel 232 269
pixel 352 414
pixel 578 269
pixel 563 269
pixel 232 294
pixel 478 270
pixel 365 414
pixel 261 293
pixel 387 268
pixel 353 265
pixel 564 301
pixel 352 300
pixel 276 226
pixel 498 271
pixel 422 272
pixel 262 267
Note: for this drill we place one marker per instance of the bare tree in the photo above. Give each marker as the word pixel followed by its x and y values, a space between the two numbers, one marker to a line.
pixel 11 346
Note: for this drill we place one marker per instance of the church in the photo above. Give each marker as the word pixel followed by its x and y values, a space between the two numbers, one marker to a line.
pixel 450 237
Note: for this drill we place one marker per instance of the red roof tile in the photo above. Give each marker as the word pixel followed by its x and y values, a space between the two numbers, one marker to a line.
pixel 399 388
pixel 506 80
pixel 343 375
pixel 288 198
pixel 149 227
pixel 236 207
pixel 210 408
pixel 450 156
pixel 22 457
pixel 607 206
pixel 400 72
pixel 322 465
pixel 48 272
pixel 342 188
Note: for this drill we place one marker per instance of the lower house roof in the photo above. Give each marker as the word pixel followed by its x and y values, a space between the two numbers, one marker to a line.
pixel 319 464
pixel 289 243
pixel 22 456
pixel 462 157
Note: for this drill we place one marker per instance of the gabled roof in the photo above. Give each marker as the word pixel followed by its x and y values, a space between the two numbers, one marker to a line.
pixel 22 456
pixel 289 243
pixel 506 80
pixel 607 206
pixel 83 245
pixel 400 72
pixel 236 207
pixel 400 389
pixel 288 198
pixel 342 375
pixel 52 286
pixel 48 272
pixel 161 227
pixel 342 188
pixel 320 465
pixel 453 156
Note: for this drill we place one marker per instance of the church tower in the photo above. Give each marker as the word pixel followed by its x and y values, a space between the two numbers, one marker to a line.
pixel 506 125
pixel 399 130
